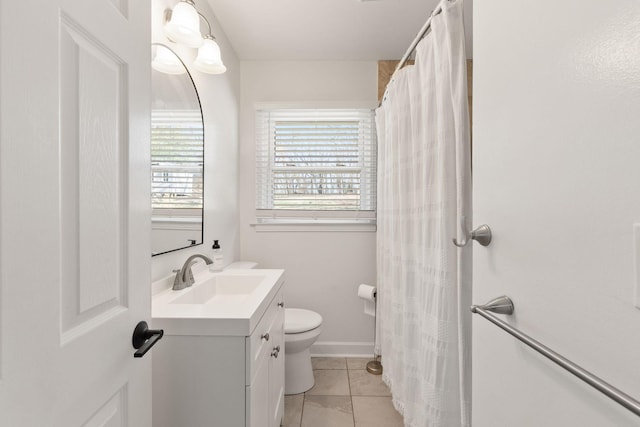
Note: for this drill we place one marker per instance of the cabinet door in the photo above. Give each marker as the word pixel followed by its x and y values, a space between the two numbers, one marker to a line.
pixel 276 371
pixel 257 406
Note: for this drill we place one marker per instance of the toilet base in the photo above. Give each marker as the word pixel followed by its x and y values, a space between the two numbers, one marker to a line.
pixel 298 376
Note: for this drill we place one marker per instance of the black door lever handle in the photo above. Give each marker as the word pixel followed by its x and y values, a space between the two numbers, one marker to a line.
pixel 144 338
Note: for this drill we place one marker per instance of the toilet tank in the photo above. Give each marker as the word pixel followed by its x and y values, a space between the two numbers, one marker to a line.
pixel 241 265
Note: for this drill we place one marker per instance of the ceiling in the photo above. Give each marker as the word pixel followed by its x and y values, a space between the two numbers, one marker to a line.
pixel 299 30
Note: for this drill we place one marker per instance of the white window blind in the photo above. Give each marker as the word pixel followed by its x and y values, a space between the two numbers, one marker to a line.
pixel 177 159
pixel 316 164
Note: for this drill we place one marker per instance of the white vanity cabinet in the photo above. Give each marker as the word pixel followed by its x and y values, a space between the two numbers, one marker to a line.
pixel 218 380
pixel 265 368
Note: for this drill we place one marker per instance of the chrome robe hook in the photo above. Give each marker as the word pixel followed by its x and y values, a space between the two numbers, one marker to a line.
pixel 481 235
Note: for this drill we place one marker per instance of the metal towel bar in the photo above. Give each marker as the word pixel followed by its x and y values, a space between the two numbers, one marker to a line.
pixel 502 304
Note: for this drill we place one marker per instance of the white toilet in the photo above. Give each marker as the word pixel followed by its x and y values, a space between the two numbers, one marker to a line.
pixel 301 329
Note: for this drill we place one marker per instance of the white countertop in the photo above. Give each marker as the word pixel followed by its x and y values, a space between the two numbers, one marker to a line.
pixel 231 315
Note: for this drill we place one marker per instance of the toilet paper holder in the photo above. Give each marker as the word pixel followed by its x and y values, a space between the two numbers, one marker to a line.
pixel 370 296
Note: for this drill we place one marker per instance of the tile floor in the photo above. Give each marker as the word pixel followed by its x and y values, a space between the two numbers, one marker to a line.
pixel 345 395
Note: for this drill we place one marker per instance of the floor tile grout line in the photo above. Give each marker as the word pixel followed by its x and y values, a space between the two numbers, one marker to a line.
pixel 350 390
pixel 353 410
pixel 304 399
pixel 348 370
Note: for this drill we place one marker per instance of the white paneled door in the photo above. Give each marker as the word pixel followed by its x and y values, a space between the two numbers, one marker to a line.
pixel 74 212
pixel 556 175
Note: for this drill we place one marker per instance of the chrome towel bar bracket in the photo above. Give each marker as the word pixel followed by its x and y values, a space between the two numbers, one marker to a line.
pixel 504 305
pixel 481 235
pixel 500 305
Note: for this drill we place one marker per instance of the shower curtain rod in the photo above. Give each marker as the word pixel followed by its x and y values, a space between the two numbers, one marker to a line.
pixel 419 36
pixel 412 46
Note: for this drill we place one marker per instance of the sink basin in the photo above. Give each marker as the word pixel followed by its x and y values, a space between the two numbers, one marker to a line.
pixel 227 303
pixel 227 287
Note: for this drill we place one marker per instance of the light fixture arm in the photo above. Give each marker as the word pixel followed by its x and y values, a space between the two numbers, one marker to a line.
pixel 208 25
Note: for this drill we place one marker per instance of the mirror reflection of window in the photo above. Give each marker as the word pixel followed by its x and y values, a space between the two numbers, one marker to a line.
pixel 177 155
pixel 176 159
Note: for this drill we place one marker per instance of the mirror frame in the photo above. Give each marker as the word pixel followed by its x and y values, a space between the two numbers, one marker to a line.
pixel 195 88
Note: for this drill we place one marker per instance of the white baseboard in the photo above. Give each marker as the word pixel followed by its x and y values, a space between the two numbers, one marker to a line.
pixel 341 349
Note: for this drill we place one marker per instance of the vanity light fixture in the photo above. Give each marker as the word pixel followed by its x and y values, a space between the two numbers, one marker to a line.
pixel 166 61
pixel 183 24
pixel 209 59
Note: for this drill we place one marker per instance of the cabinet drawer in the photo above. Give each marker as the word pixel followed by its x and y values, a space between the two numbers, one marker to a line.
pixel 260 344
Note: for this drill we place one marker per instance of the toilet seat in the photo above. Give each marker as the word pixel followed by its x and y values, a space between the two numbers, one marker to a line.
pixel 298 320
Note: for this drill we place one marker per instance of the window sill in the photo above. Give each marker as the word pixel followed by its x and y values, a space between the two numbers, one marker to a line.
pixel 286 225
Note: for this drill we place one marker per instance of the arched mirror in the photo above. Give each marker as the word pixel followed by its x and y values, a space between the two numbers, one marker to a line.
pixel 177 155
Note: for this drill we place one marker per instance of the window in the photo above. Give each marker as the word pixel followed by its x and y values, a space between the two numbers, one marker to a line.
pixel 177 159
pixel 315 166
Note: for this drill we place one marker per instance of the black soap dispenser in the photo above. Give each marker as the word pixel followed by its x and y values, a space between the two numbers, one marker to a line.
pixel 218 259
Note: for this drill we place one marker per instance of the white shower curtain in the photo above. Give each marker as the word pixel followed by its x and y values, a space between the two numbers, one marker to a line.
pixel 424 191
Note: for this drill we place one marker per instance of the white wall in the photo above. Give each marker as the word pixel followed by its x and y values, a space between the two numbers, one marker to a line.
pixel 219 97
pixel 556 176
pixel 323 269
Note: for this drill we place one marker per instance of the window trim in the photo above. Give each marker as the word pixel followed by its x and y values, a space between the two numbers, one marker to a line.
pixel 312 220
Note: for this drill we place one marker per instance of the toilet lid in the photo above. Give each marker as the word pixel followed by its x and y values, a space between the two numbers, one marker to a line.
pixel 298 320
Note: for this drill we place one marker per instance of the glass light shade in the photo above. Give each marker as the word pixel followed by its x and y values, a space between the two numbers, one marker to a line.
pixel 184 25
pixel 167 62
pixel 209 59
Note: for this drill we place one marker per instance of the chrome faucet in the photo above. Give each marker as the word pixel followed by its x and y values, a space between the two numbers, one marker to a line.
pixel 184 276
